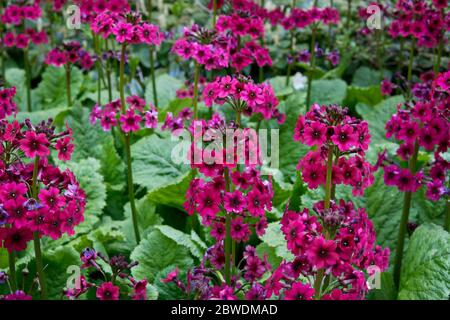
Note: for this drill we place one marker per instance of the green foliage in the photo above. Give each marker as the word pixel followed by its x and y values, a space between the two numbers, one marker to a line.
pixel 152 163
pixel 326 92
pixel 157 252
pixel 426 265
pixel 166 87
pixel 273 241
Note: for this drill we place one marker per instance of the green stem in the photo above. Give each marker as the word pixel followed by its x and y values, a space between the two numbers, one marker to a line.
pixel 437 65
pixel 196 79
pixel 26 59
pixel 12 270
pixel 404 221
pixel 127 142
pixel 214 13
pixel 349 13
pixel 108 73
pixel 291 49
pixel 312 66
pixel 36 239
pixel 68 91
pixel 149 9
pixel 447 215
pixel 328 188
pixel 227 245
pixel 152 73
pixel 99 67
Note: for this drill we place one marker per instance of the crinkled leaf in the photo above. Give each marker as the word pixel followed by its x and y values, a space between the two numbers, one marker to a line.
pixel 326 92
pixel 426 265
pixel 181 238
pixel 166 86
pixel 156 252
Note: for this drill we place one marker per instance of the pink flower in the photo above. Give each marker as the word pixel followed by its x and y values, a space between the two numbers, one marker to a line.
pixel 34 144
pixel 123 31
pixel 52 198
pixel 65 148
pixel 107 291
pixel 255 203
pixel 299 291
pixel 322 253
pixel 239 230
pixel 130 121
pixel 344 137
pixel 234 202
pixel 315 134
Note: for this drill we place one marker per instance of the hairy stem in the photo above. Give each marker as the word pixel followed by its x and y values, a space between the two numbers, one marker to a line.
pixel 36 239
pixel 404 221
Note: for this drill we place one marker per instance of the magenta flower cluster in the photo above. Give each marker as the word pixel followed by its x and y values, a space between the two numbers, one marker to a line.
pixel 90 9
pixel 69 53
pixel 328 127
pixel 127 28
pixel 7 104
pixel 60 202
pixel 244 96
pixel 339 240
pixel 421 123
pixel 421 21
pixel 129 119
pixel 300 18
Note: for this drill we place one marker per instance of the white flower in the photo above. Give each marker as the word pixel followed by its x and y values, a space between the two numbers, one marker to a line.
pixel 299 81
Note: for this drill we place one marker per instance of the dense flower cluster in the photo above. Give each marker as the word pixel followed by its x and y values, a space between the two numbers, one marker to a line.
pixel 179 121
pixel 127 28
pixel 129 119
pixel 188 90
pixel 420 20
pixel 89 9
pixel 340 241
pixel 200 282
pixel 244 96
pixel 421 123
pixel 21 35
pixel 107 289
pixel 205 47
pixel 7 105
pixel 213 200
pixel 300 18
pixel 331 127
pixel 59 202
pixel 70 53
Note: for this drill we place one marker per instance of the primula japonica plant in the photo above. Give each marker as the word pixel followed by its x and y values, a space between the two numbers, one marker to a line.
pixel 20 33
pixel 333 247
pixel 107 278
pixel 7 104
pixel 127 29
pixel 68 55
pixel 422 122
pixel 37 198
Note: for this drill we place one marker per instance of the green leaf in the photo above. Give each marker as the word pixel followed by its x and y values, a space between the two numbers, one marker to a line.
pixel 57 114
pixel 279 86
pixel 91 181
pixel 156 252
pixel 152 162
pixel 299 189
pixel 16 78
pixel 172 194
pixel 326 92
pixel 51 91
pixel 147 217
pixel 426 265
pixel 366 77
pixel 166 87
pixel 182 239
pixel 388 291
pixel 274 238
pixel 367 95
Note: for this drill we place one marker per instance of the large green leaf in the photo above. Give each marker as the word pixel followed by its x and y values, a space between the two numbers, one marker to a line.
pixel 366 77
pixel 279 86
pixel 16 78
pixel 156 252
pixel 274 238
pixel 166 87
pixel 173 193
pixel 426 265
pixel 367 95
pixel 153 166
pixel 326 92
pixel 182 239
pixel 51 91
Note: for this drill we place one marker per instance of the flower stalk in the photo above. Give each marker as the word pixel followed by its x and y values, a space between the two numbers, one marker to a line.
pixel 312 66
pixel 227 241
pixel 12 270
pixel 68 89
pixel 404 221
pixel 36 239
pixel 152 74
pixel 196 80
pixel 127 146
